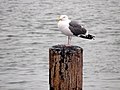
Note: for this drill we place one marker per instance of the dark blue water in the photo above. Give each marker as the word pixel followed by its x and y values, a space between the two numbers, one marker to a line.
pixel 28 28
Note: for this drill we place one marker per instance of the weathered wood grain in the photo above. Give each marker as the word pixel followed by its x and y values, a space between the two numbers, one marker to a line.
pixel 65 67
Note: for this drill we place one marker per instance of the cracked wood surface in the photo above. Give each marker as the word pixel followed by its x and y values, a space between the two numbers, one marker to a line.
pixel 65 67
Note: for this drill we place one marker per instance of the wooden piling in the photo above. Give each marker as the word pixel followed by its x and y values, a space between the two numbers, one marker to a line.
pixel 65 67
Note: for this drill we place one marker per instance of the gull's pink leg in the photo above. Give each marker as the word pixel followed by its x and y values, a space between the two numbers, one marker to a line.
pixel 69 40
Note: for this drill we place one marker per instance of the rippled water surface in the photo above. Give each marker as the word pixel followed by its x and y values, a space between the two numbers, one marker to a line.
pixel 28 28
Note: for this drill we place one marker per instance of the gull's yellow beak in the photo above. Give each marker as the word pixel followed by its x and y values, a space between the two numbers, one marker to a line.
pixel 59 19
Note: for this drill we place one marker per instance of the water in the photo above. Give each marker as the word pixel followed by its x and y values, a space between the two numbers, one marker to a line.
pixel 28 28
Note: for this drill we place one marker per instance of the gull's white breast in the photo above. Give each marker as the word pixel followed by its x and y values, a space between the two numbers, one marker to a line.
pixel 64 27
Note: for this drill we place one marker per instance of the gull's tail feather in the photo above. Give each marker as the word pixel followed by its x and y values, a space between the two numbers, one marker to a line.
pixel 88 36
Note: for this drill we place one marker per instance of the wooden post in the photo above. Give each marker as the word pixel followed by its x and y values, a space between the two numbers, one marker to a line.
pixel 65 67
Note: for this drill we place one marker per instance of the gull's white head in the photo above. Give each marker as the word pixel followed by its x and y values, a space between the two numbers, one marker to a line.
pixel 63 18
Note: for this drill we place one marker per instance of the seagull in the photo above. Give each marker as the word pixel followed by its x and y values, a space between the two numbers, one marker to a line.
pixel 72 28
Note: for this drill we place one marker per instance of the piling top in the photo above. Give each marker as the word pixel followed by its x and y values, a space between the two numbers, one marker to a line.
pixel 66 48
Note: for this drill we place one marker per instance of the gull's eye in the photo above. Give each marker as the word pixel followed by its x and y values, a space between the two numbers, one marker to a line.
pixel 64 17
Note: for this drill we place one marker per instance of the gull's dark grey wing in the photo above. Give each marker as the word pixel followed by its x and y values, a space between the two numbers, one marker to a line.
pixel 76 28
